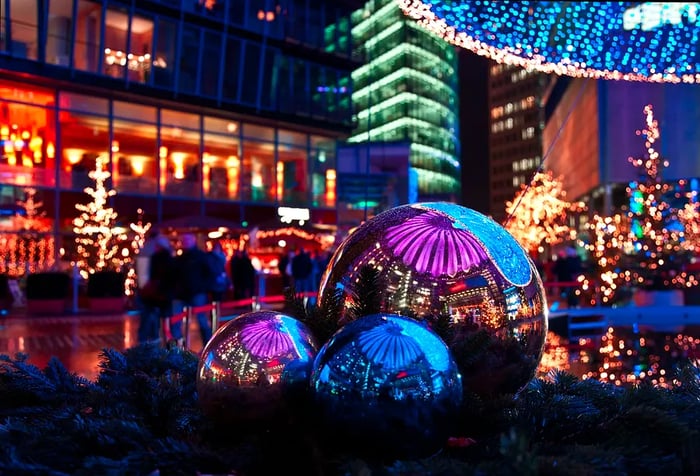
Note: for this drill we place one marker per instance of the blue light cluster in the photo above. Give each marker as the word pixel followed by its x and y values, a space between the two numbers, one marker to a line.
pixel 643 41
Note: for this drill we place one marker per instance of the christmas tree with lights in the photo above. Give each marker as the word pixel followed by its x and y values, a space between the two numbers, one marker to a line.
pixel 647 246
pixel 96 243
pixel 32 218
pixel 537 214
pixel 657 257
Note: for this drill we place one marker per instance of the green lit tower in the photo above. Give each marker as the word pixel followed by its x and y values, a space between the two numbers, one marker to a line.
pixel 406 91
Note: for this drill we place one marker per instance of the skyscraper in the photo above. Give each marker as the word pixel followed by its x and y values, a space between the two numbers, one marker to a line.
pixel 515 135
pixel 407 91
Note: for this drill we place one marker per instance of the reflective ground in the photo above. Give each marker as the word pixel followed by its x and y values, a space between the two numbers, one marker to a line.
pixel 620 356
pixel 76 340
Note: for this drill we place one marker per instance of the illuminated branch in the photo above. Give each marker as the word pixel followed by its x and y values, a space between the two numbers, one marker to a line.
pixel 648 246
pixel 95 241
pixel 539 213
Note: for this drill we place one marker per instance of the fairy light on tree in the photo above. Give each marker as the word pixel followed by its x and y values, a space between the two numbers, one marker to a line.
pixel 31 219
pixel 96 244
pixel 31 249
pixel 537 215
pixel 139 228
pixel 689 216
pixel 656 232
pixel 646 247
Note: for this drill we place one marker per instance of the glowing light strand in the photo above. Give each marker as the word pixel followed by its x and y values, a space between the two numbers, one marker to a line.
pixel 579 39
pixel 96 242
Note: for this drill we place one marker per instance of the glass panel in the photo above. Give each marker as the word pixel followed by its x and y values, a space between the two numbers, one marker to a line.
pixel 221 126
pixel 323 172
pixel 232 66
pixel 137 112
pixel 292 176
pixel 319 91
pixel 236 13
pixel 163 64
pixel 3 33
pixel 251 131
pixel 285 84
pixel 315 24
pixel 251 80
pixel 209 8
pixel 84 137
pixel 210 64
pixel 265 17
pixel 58 33
pixel 26 241
pixel 296 20
pixel 18 92
pixel 179 119
pixel 301 93
pixel 293 138
pixel 179 161
pixel 88 56
pixel 28 138
pixel 23 29
pixel 189 56
pixel 139 59
pixel 116 58
pixel 221 164
pixel 269 79
pixel 258 184
pixel 78 102
pixel 134 157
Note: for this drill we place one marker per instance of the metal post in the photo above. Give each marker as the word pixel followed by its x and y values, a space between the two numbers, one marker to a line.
pixel 186 323
pixel 215 315
pixel 76 281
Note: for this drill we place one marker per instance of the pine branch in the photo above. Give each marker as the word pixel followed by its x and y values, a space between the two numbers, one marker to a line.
pixel 366 298
pixel 294 304
pixel 324 319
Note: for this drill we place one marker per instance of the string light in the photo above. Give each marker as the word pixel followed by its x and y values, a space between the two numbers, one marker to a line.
pixel 647 245
pixel 95 239
pixel 601 40
pixel 538 213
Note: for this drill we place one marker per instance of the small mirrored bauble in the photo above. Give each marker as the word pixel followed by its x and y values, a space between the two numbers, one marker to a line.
pixel 254 367
pixel 386 385
pixel 442 259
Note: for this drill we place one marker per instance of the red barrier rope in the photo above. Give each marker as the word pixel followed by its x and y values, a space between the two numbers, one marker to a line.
pixel 236 304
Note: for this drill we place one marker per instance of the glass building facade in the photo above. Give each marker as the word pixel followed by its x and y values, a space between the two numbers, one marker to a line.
pixel 226 108
pixel 407 91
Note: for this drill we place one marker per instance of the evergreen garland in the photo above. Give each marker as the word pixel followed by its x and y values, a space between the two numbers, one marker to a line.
pixel 140 416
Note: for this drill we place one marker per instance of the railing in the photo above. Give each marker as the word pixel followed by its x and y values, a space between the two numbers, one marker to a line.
pixel 220 312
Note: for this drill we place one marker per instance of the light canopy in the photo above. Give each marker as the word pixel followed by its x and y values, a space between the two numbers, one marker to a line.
pixel 634 41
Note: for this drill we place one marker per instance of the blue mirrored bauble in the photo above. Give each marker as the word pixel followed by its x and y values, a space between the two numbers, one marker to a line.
pixel 254 366
pixel 388 385
pixel 442 259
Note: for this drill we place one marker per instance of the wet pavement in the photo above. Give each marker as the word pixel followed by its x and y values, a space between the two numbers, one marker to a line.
pixel 76 340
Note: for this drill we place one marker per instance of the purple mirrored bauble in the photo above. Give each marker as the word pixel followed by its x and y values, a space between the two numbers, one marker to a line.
pixel 254 366
pixel 386 385
pixel 438 259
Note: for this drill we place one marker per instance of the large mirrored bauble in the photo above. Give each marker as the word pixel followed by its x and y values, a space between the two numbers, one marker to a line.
pixel 444 259
pixel 254 367
pixel 386 385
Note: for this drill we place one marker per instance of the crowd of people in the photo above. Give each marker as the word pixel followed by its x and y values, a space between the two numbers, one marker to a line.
pixel 170 280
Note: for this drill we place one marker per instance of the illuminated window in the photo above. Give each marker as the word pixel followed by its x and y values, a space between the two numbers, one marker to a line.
pixel 528 133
